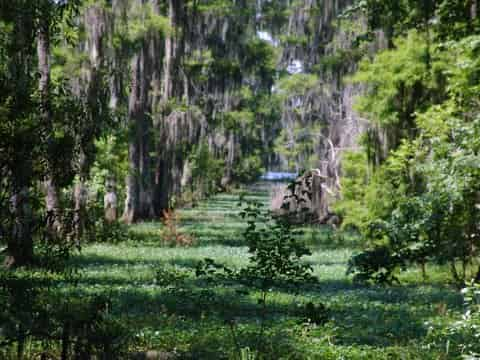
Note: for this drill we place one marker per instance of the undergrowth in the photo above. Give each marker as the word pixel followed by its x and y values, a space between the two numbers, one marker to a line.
pixel 153 300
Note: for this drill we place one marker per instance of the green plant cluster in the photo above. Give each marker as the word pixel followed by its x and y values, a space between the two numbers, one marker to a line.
pixel 275 262
pixel 412 191
pixel 460 338
pixel 53 325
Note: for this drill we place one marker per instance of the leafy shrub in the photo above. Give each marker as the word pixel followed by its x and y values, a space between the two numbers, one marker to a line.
pixel 315 313
pixel 377 265
pixel 275 261
pixel 275 250
pixel 66 325
pixel 461 338
pixel 111 232
pixel 248 169
pixel 276 254
pixel 170 276
pixel 206 171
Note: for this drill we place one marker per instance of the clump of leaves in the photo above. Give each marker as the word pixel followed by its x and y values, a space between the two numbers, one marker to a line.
pixel 275 261
pixel 111 232
pixel 170 276
pixel 59 325
pixel 276 254
pixel 460 339
pixel 276 251
pixel 315 313
pixel 376 265
pixel 171 234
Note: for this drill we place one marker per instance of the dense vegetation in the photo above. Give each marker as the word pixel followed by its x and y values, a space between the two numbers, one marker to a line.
pixel 133 134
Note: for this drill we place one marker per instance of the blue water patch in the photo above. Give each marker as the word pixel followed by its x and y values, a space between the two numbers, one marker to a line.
pixel 278 176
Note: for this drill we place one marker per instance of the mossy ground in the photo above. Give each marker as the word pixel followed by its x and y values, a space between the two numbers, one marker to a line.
pixel 154 289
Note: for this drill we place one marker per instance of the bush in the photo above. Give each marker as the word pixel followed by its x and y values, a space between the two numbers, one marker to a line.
pixel 111 232
pixel 170 276
pixel 275 261
pixel 248 169
pixel 460 339
pixel 206 171
pixel 57 325
pixel 377 265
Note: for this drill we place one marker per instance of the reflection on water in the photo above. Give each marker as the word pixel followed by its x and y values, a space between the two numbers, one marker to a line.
pixel 278 175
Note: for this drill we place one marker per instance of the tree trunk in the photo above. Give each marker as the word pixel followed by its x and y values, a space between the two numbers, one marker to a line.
pixel 110 203
pixel 95 20
pixel 52 205
pixel 230 160
pixel 139 199
pixel 167 162
pixel 169 52
pixel 163 166
pixel 477 276
pixel 456 277
pixel 20 244
pixel 80 194
pixel 43 52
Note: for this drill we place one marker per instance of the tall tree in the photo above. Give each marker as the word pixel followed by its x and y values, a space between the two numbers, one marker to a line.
pixel 139 198
pixel 45 14
pixel 96 110
pixel 21 132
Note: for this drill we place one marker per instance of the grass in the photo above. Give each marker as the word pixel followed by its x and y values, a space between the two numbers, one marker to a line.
pixel 155 291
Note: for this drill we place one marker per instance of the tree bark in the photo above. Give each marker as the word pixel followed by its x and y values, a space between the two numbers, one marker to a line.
pixel 80 194
pixel 43 52
pixel 169 52
pixel 139 199
pixel 110 202
pixel 95 20
pixel 167 164
pixel 19 250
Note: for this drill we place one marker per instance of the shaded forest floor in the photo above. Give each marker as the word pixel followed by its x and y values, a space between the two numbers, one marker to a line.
pixel 154 288
pixel 155 292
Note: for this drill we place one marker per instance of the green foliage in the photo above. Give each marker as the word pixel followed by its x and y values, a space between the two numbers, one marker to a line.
pixel 109 232
pixel 453 18
pixel 77 326
pixel 260 56
pixel 111 162
pixel 460 338
pixel 207 171
pixel 217 7
pixel 367 194
pixel 377 265
pixel 403 87
pixel 275 262
pixel 241 118
pixel 42 137
pixel 144 21
pixel 352 207
pixel 301 142
pixel 297 84
pixel 275 14
pixel 248 169
pixel 420 200
pixel 276 251
pixel 275 254
pixel 171 276
pixel 294 40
